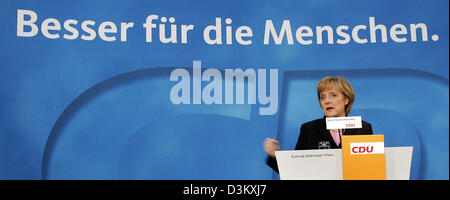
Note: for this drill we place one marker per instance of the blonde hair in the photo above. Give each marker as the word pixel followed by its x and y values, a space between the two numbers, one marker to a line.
pixel 342 85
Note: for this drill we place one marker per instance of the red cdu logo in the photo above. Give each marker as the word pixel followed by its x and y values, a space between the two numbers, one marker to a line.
pixel 367 148
pixel 350 125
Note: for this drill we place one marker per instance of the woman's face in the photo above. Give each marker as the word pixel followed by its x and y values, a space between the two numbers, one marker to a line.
pixel 333 102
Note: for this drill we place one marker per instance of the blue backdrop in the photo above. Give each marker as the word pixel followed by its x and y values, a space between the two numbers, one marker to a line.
pixel 96 109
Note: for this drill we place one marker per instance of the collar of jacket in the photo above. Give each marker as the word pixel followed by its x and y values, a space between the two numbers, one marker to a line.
pixel 323 130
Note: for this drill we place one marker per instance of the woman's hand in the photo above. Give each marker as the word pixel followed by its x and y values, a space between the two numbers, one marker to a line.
pixel 270 146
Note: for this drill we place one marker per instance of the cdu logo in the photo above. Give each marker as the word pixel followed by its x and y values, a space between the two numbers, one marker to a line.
pixel 367 148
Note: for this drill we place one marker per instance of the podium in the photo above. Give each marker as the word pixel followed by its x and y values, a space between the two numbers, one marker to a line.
pixel 353 162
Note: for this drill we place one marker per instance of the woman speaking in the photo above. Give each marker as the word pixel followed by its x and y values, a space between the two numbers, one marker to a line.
pixel 336 96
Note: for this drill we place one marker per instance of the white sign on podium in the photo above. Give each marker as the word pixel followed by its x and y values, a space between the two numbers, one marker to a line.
pixel 310 164
pixel 326 164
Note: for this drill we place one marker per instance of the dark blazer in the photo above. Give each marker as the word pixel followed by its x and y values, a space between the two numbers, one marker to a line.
pixel 313 132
